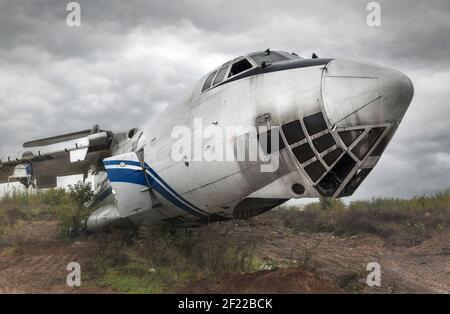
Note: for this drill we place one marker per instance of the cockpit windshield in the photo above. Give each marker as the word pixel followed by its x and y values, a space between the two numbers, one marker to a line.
pixel 272 56
pixel 230 70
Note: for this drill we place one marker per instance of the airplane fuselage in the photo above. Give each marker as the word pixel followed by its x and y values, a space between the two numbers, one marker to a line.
pixel 334 117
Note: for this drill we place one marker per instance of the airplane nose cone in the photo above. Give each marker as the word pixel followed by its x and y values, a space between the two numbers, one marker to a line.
pixel 357 93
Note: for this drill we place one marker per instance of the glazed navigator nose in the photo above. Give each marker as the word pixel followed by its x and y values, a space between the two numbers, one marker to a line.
pixel 356 93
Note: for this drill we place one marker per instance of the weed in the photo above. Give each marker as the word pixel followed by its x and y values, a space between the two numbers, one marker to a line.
pixel 406 221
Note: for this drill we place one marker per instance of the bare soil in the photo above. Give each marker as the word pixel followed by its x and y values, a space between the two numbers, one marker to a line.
pixel 423 268
pixel 34 260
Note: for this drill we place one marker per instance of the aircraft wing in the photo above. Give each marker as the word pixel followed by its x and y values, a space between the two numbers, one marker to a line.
pixel 45 159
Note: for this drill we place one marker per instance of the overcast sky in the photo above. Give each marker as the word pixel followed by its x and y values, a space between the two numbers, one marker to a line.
pixel 129 59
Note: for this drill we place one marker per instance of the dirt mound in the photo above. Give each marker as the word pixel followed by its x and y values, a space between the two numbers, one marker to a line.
pixel 266 281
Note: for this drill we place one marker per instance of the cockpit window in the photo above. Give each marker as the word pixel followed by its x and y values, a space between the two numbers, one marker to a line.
pixel 240 66
pixel 221 74
pixel 243 64
pixel 268 56
pixel 209 81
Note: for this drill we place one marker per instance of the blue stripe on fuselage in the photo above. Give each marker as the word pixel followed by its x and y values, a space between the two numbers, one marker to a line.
pixel 172 190
pixel 138 177
pixel 126 175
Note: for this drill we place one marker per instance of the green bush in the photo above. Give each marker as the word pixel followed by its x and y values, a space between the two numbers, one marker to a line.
pixel 71 206
pixel 68 205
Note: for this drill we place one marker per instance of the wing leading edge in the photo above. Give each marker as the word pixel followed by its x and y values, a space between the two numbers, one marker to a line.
pixel 63 155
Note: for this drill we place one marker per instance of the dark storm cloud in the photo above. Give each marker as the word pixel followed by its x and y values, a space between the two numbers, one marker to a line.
pixel 129 59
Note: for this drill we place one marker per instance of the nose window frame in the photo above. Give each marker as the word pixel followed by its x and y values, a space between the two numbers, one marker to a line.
pixel 208 82
pixel 293 132
pixel 350 136
pixel 315 123
pixel 323 142
pixel 365 144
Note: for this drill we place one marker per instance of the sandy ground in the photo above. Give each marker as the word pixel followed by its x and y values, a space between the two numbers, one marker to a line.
pixel 33 260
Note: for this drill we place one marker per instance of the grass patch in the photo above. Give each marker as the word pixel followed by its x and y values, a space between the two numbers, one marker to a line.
pixel 134 280
pixel 352 281
pixel 158 261
pixel 67 205
pixel 13 250
pixel 403 221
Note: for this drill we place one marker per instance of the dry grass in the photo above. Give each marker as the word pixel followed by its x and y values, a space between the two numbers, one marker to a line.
pixel 156 260
pixel 405 221
pixel 68 206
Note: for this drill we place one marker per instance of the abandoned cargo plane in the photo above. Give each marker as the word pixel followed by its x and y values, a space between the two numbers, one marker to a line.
pixel 330 120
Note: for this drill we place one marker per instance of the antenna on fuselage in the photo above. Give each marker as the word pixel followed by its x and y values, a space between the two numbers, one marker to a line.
pixel 314 56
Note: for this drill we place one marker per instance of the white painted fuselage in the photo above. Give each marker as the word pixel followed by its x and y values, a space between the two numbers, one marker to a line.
pixel 335 117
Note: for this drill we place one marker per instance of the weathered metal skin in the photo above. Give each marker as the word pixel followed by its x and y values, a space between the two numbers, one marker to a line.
pixel 335 116
pixel 351 96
